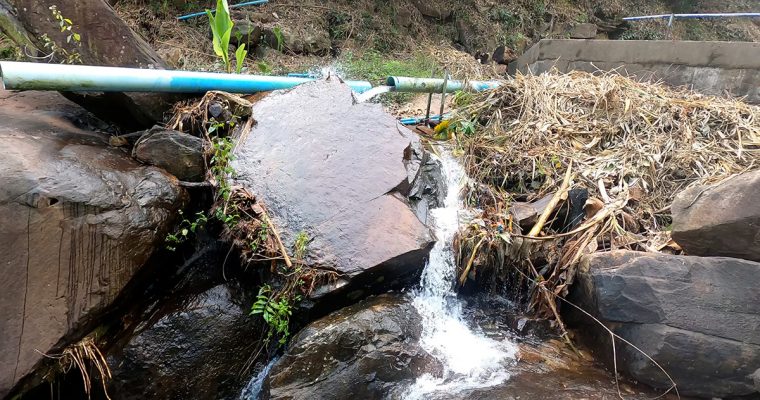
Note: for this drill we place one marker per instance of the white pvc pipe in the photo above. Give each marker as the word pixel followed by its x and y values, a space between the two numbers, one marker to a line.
pixel 39 76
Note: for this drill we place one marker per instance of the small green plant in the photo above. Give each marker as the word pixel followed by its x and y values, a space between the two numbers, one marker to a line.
pixel 539 9
pixel 506 17
pixel 264 68
pixel 220 164
pixel 338 25
pixel 300 244
pixel 512 39
pixel 276 312
pixel 8 49
pixel 261 238
pixel 240 54
pixel 221 169
pixel 465 127
pixel 221 28
pixel 278 36
pixel 66 25
pixel 72 38
pixel 462 98
pixel 185 230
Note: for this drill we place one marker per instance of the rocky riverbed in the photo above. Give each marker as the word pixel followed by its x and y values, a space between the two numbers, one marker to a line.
pixel 85 217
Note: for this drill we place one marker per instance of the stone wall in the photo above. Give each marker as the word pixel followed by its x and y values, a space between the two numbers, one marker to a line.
pixel 715 68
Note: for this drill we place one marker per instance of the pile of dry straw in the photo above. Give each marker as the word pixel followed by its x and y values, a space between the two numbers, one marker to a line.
pixel 632 145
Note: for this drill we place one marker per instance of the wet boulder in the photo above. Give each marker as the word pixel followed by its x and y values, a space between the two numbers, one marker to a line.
pixel 196 349
pixel 364 351
pixel 342 173
pixel 78 219
pixel 721 219
pixel 178 153
pixel 698 317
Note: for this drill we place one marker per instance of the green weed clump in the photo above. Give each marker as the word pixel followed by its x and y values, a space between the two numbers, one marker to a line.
pixel 275 309
pixel 8 49
pixel 375 67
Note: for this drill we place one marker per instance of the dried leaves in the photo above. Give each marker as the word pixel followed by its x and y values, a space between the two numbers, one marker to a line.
pixel 632 145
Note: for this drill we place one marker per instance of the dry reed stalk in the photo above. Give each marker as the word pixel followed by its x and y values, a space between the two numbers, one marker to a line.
pixel 634 145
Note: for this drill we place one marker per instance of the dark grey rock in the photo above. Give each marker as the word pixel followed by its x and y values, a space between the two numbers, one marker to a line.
pixel 196 350
pixel 309 40
pixel 466 36
pixel 697 317
pixel 427 188
pixel 245 32
pixel 78 220
pixel 432 9
pixel 499 55
pixel 583 31
pixel 403 17
pixel 360 352
pixel 178 153
pixel 340 172
pixel 720 220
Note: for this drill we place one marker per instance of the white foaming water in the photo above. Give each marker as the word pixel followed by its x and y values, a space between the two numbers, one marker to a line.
pixel 252 391
pixel 470 360
pixel 369 94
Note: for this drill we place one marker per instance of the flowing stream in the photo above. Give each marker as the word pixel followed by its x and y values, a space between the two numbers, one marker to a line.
pixel 252 391
pixel 470 359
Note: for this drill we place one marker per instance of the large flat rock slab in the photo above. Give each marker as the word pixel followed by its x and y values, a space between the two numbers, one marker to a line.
pixel 721 219
pixel 698 317
pixel 340 172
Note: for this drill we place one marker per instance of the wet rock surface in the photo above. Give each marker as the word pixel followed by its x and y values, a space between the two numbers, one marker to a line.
pixel 77 220
pixel 550 370
pixel 197 349
pixel 363 351
pixel 341 173
pixel 178 153
pixel 720 220
pixel 371 351
pixel 697 316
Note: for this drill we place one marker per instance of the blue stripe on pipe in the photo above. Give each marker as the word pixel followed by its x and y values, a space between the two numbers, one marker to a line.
pixel 696 16
pixel 198 14
pixel 417 120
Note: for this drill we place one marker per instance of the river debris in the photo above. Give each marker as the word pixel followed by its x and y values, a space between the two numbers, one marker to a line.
pixel 85 356
pixel 609 154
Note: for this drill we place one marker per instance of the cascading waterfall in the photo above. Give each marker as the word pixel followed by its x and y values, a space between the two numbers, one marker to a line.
pixel 470 359
pixel 252 391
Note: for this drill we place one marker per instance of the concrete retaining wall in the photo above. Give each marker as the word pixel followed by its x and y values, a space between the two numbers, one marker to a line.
pixel 717 68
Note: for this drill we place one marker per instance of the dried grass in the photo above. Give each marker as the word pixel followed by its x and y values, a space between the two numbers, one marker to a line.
pixel 632 145
pixel 85 355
